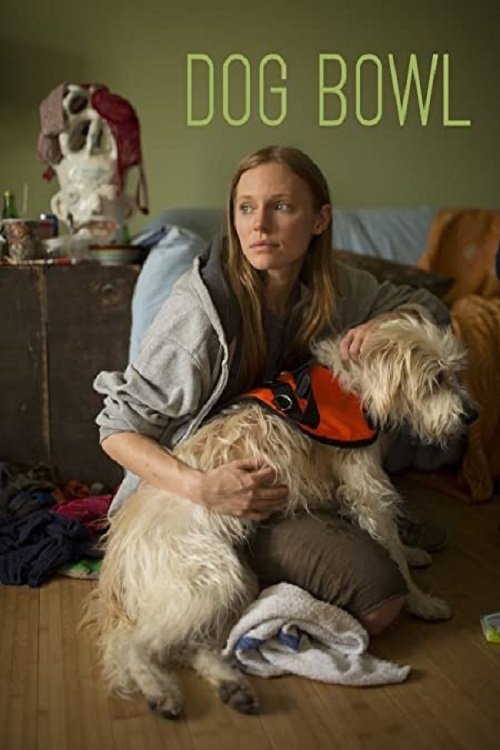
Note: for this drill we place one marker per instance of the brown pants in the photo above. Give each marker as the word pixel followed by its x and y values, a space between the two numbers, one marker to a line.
pixel 327 556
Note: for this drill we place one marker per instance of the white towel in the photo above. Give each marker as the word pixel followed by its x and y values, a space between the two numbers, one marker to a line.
pixel 288 631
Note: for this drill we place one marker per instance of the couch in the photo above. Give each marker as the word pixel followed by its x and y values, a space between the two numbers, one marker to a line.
pixel 175 237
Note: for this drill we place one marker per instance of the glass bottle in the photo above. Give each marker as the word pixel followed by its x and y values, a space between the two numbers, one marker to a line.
pixel 9 210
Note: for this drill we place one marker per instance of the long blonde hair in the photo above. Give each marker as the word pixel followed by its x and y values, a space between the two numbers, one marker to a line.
pixel 247 283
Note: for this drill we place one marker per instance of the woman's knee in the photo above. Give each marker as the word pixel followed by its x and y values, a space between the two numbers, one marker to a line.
pixel 333 560
pixel 378 619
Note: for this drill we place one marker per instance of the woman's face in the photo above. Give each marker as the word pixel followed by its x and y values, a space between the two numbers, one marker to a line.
pixel 274 217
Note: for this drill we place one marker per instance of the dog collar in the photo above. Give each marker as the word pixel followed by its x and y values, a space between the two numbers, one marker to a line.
pixel 312 400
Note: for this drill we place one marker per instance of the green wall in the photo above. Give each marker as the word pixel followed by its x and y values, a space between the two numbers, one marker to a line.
pixel 139 49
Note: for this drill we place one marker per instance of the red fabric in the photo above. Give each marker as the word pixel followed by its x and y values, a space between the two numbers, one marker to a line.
pixel 341 419
pixel 124 123
pixel 87 510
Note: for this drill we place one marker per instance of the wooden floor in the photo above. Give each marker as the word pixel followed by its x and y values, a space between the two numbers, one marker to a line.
pixel 51 697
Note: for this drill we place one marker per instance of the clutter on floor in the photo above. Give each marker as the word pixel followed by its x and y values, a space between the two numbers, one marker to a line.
pixel 48 529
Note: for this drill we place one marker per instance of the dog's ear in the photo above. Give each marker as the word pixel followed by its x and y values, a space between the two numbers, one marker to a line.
pixel 378 404
pixel 454 351
pixel 382 367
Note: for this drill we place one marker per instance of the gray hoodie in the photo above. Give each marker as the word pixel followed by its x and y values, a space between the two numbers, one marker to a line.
pixel 184 363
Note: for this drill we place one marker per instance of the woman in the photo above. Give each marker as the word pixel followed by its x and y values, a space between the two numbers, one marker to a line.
pixel 246 313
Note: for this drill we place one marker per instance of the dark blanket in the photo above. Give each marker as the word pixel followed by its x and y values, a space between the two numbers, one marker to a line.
pixel 34 547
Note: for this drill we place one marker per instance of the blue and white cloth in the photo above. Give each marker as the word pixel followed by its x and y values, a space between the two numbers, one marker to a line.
pixel 288 631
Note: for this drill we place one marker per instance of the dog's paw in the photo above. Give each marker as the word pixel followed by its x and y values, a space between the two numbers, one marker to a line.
pixel 428 606
pixel 237 696
pixel 417 558
pixel 166 706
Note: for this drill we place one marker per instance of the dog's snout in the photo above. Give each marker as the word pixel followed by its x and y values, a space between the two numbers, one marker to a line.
pixel 470 414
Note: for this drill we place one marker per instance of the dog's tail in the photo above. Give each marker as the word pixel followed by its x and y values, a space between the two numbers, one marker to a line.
pixel 109 626
pixel 105 618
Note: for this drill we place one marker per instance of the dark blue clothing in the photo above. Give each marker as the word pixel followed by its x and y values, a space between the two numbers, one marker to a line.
pixel 34 547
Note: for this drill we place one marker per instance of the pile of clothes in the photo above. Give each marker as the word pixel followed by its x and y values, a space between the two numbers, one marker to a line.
pixel 47 529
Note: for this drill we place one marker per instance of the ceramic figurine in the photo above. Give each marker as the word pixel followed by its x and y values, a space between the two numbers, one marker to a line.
pixel 89 139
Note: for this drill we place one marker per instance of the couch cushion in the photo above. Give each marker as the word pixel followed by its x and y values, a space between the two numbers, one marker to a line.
pixel 397 273
pixel 165 263
pixel 398 234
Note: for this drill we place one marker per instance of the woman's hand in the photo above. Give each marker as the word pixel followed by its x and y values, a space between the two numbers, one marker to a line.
pixel 241 488
pixel 351 344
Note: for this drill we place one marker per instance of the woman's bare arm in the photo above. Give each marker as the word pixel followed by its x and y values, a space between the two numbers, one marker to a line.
pixel 240 488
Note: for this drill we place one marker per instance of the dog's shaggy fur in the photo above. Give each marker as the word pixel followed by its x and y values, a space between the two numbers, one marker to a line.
pixel 172 583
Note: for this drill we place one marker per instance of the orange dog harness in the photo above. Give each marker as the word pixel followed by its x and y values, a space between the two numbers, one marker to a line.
pixel 312 399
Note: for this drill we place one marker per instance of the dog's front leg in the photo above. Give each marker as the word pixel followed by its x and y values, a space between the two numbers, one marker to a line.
pixel 368 496
pixel 418 602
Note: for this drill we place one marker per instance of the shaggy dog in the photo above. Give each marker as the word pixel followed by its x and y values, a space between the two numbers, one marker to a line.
pixel 173 584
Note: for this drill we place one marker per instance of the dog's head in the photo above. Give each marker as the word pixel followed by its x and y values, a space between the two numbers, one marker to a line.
pixel 409 373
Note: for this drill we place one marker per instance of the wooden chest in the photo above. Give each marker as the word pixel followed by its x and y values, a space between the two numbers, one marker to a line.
pixel 59 326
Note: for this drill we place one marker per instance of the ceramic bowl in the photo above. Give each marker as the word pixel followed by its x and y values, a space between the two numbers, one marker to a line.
pixel 115 255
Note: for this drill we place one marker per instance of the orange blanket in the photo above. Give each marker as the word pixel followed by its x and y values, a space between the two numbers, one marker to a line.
pixel 463 244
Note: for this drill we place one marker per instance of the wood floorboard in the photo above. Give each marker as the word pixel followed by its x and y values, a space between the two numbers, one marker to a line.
pixel 19 668
pixel 366 719
pixel 209 721
pixel 294 716
pixel 52 697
